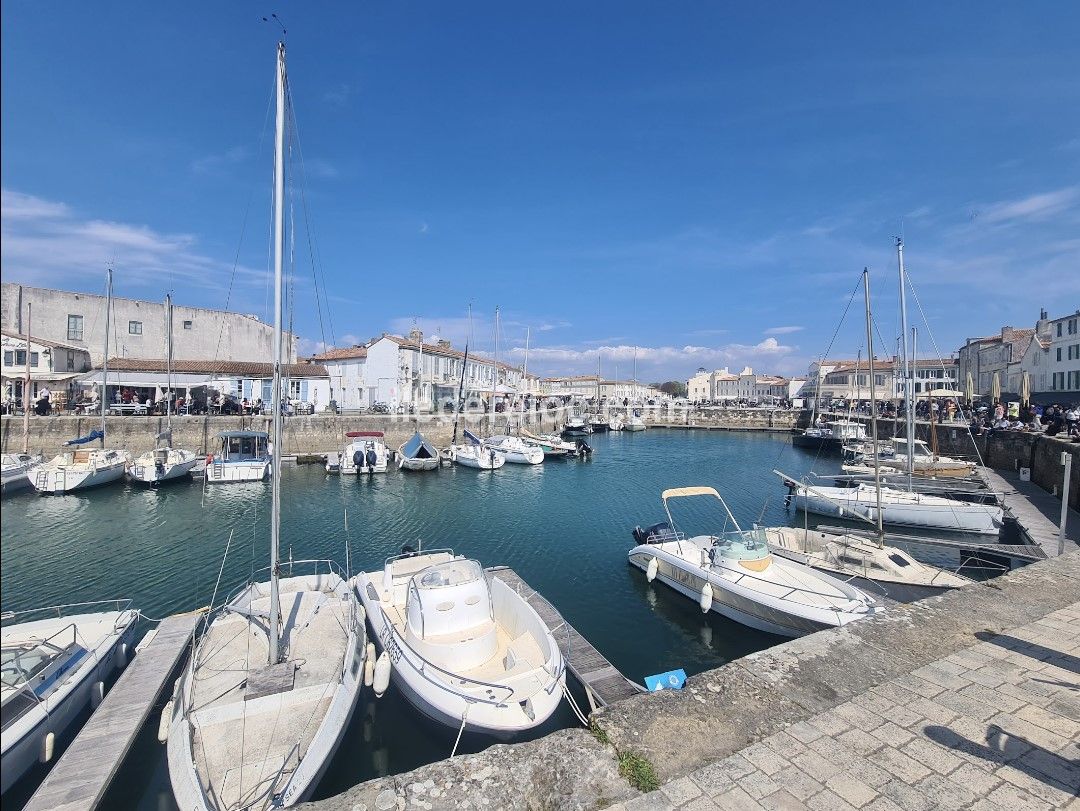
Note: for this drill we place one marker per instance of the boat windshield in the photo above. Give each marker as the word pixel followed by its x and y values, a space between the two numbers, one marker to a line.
pixel 242 448
pixel 21 663
pixel 450 573
pixel 749 545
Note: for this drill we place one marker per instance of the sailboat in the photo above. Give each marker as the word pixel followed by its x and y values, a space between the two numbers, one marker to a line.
pixel 514 449
pixel 598 423
pixel 82 469
pixel 886 505
pixel 164 463
pixel 272 684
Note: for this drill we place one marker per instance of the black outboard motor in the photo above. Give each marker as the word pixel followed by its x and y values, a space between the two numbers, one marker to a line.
pixel 372 458
pixel 358 460
pixel 409 550
pixel 653 534
pixel 583 448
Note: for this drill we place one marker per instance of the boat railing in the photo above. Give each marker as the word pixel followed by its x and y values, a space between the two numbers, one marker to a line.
pixel 331 568
pixel 64 610
pixel 422 666
pixel 665 536
pixel 419 553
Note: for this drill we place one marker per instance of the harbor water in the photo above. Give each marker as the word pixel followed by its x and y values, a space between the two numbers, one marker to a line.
pixel 564 526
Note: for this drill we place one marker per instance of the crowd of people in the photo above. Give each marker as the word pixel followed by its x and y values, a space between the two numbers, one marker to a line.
pixel 1052 420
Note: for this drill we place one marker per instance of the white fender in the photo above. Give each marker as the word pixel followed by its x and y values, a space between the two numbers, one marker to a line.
pixel 369 664
pixel 650 572
pixel 164 722
pixel 121 656
pixel 97 694
pixel 48 746
pixel 706 598
pixel 381 676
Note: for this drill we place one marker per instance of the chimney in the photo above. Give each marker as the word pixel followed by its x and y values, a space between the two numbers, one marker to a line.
pixel 1042 326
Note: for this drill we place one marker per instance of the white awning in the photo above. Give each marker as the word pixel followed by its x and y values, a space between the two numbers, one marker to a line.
pixel 146 379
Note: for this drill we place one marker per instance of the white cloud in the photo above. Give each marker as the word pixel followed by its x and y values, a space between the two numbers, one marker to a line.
pixel 783 330
pixel 211 164
pixel 1034 207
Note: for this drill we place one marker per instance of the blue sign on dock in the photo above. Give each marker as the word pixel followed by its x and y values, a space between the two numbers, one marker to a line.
pixel 672 680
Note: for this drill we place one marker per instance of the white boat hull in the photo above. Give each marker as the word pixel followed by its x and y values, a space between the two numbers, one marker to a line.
pixel 417 464
pixel 145 470
pixel 52 479
pixel 480 459
pixel 17 472
pixel 635 426
pixel 920 511
pixel 255 470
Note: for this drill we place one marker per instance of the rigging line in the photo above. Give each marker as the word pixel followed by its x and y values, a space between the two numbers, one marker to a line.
pixel 243 224
pixel 314 254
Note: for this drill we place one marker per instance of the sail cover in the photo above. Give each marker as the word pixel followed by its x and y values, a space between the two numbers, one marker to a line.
pixel 93 435
pixel 418 448
pixel 473 438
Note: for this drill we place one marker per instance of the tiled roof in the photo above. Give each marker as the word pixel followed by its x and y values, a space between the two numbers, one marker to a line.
pixel 43 342
pixel 442 351
pixel 345 353
pixel 239 368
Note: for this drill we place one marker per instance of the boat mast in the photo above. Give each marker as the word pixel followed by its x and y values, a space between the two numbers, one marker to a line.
pixel 419 391
pixel 908 386
pixel 524 379
pixel 275 461
pixel 495 373
pixel 459 405
pixel 873 408
pixel 168 365
pixel 105 357
pixel 26 386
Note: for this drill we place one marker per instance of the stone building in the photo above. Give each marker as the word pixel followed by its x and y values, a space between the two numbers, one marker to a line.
pixel 723 385
pixel 1051 360
pixel 983 357
pixel 52 364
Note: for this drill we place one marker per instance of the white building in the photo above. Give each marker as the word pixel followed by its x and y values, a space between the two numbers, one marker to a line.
pixel 1052 359
pixel 52 364
pixel 138 327
pixel 346 370
pixel 1001 354
pixel 722 385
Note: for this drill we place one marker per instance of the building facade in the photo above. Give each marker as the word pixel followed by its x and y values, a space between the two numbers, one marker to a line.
pixel 1001 354
pixel 53 365
pixel 1052 360
pixel 725 386
pixel 138 327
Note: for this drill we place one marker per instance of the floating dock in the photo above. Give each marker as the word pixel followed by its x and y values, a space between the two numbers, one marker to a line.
pixel 603 682
pixel 1035 511
pixel 79 779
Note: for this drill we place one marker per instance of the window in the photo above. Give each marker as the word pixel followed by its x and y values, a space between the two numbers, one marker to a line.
pixel 33 358
pixel 1059 350
pixel 9 358
pixel 1072 326
pixel 75 328
pixel 294 389
pixel 134 327
pixel 1059 329
pixel 187 325
pixel 70 361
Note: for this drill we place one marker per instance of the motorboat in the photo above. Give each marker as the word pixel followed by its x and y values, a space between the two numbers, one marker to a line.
pixel 616 423
pixel 15 471
pixel 463 647
pixel 417 454
pixel 161 465
pixel 553 445
pixel 599 424
pixel 863 562
pixel 269 691
pixel 476 454
pixel 635 423
pixel 576 425
pixel 898 507
pixel 80 470
pixel 365 452
pixel 516 450
pixel 244 456
pixel 831 436
pixel 734 574
pixel 55 663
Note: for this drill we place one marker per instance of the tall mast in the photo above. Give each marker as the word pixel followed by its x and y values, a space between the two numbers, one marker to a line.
pixel 105 357
pixel 909 406
pixel 524 378
pixel 26 387
pixel 598 382
pixel 168 364
pixel 275 461
pixel 873 407
pixel 459 405
pixel 495 373
pixel 419 373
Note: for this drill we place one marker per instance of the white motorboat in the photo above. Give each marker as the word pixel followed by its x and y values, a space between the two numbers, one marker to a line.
pixel 898 508
pixel 161 465
pixel 15 471
pixel 616 423
pixel 462 646
pixel 552 445
pixel 515 449
pixel 734 574
pixel 477 456
pixel 55 662
pixel 265 701
pixel 598 424
pixel 244 457
pixel 859 559
pixel 417 454
pixel 80 470
pixel 576 425
pixel 365 452
pixel 634 423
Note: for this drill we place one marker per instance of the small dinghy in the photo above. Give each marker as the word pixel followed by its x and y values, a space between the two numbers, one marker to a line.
pixel 734 574
pixel 635 423
pixel 463 647
pixel 417 454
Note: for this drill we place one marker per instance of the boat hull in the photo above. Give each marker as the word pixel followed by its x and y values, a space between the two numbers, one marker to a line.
pixel 958 517
pixel 417 464
pixel 256 470
pixel 58 481
pixel 150 474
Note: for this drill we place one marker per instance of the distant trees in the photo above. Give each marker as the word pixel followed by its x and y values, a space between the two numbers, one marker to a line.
pixel 673 387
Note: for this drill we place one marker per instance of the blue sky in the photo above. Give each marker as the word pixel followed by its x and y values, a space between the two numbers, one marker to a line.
pixel 704 181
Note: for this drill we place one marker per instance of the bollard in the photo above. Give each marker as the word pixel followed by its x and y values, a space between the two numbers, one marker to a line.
pixel 1066 460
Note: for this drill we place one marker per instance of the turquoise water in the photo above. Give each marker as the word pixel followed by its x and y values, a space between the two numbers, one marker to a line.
pixel 564 526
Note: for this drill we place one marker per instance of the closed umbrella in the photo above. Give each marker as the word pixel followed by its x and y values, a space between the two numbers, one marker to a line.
pixel 995 388
pixel 1025 389
pixel 969 389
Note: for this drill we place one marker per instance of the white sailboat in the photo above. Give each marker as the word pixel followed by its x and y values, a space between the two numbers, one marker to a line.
pixel 271 687
pixel 512 448
pixel 633 421
pixel 476 454
pixel 55 664
pixel 15 471
pixel 164 463
pixel 82 469
pixel 734 574
pixel 463 647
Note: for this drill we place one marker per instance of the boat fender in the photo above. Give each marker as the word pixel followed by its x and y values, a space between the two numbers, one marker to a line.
pixel 122 656
pixel 372 458
pixel 97 694
pixel 650 572
pixel 706 598
pixel 163 723
pixel 48 746
pixel 369 665
pixel 381 676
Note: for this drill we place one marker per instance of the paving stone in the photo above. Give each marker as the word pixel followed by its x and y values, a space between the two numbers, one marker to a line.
pixel 892 735
pixel 870 773
pixel 1038 785
pixel 736 799
pixel 852 790
pixel 875 703
pixel 803 731
pixel 681 791
pixel 1050 721
pixel 962 705
pixel 906 768
pixel 993 698
pixel 858 717
pixel 1029 732
pixel 758 785
pixel 829 723
pixel 931 711
pixel 800 784
pixel 1009 796
pixel 861 742
pixel 933 755
pixel 883 804
pixel 764 758
pixel 988 676
pixel 905 796
pixel 783 801
pixel 713 779
pixel 941 677
pixel 979 780
pixel 653 801
pixel 827 801
pixel 700 804
pixel 1066 707
pixel 815 765
pixel 946 793
pixel 1049 764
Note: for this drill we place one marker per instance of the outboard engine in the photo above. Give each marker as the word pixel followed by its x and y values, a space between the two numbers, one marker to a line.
pixel 583 448
pixel 358 460
pixel 372 458
pixel 650 534
pixel 409 550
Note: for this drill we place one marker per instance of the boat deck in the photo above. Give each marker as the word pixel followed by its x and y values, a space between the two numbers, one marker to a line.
pixel 603 682
pixel 80 778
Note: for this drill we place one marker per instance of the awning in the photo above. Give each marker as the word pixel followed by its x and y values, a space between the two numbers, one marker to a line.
pixel 146 379
pixel 63 377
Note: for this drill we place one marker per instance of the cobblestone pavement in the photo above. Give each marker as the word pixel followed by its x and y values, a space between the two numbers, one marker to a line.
pixel 993 727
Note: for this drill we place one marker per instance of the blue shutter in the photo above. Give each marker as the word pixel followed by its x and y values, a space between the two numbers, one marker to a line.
pixel 303 390
pixel 247 389
pixel 266 386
